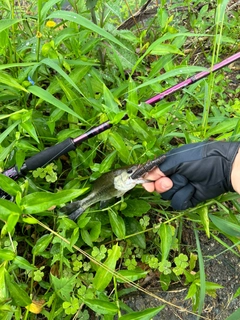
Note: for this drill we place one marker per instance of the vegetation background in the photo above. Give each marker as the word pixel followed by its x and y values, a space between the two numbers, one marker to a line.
pixel 65 67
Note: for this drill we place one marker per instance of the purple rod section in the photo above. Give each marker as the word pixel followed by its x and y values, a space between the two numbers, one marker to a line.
pixel 193 79
pixel 107 125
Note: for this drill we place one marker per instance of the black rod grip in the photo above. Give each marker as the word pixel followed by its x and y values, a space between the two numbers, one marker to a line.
pixel 48 155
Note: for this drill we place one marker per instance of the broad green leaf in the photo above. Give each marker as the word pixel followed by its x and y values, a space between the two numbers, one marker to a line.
pixel 22 263
pixel 5 133
pixel 3 288
pixel 146 314
pixel 86 237
pixel 191 291
pixel 162 49
pixel 220 11
pixel 13 115
pixel 46 7
pixel 165 280
pixel 7 23
pixel 29 128
pixel 141 128
pixel 136 208
pixel 226 226
pixel 74 237
pixel 165 37
pixel 162 109
pixel 104 276
pixel 101 307
pixel 7 208
pixel 63 287
pixel 29 220
pixel 165 233
pixel 86 23
pixel 213 286
pixel 73 97
pixel 117 142
pixel 235 315
pixel 111 106
pixel 17 294
pixel 11 82
pixel 134 228
pixel 203 213
pixel 237 293
pixel 48 97
pixel 170 74
pixel 131 275
pixel 91 3
pixel 224 126
pixel 56 67
pixel 12 221
pixel 82 222
pixel 9 185
pixel 117 224
pixel 40 201
pixel 95 230
pixel 132 101
pixel 42 244
pixel 7 255
pixel 107 162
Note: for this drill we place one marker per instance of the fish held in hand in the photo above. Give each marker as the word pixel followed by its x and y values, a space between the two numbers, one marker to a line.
pixel 111 184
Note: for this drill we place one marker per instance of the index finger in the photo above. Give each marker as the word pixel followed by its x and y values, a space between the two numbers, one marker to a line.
pixel 154 174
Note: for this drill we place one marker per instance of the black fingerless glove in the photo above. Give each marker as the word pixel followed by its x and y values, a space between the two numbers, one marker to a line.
pixel 199 171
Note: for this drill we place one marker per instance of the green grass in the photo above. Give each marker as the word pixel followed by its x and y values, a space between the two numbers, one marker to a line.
pixel 62 72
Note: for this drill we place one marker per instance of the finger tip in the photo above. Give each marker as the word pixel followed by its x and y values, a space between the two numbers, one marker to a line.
pixel 163 185
pixel 149 186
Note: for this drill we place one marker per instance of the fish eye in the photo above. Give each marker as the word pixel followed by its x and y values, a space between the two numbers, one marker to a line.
pixel 130 171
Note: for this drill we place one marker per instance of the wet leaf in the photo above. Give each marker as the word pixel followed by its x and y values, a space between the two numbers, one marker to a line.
pixel 40 201
pixel 131 275
pixel 100 306
pixel 117 224
pixel 17 294
pixel 9 185
pixel 165 233
pixel 104 276
pixel 42 244
pixel 147 314
pixel 203 213
pixel 134 228
pixel 226 226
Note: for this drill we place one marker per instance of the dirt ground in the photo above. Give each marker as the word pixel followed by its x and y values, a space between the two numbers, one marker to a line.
pixel 223 269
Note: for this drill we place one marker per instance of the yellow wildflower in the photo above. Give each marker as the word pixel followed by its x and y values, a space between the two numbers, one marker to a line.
pixel 39 35
pixel 50 24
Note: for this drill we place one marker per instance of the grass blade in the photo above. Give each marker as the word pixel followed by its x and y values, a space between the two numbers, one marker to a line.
pixel 202 274
pixel 77 18
pixel 7 23
pixel 48 97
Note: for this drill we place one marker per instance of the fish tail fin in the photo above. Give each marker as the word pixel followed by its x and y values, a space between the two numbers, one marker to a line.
pixel 73 210
pixel 75 214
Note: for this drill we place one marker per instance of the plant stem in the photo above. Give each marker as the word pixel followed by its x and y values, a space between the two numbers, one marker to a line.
pixel 39 35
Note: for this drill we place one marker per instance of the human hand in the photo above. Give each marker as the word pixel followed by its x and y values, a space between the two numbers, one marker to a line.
pixel 196 172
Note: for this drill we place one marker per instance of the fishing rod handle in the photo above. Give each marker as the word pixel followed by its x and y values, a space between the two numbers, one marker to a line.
pixel 48 155
pixel 38 160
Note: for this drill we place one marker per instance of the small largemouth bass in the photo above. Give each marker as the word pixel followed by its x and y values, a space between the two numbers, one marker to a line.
pixel 111 184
